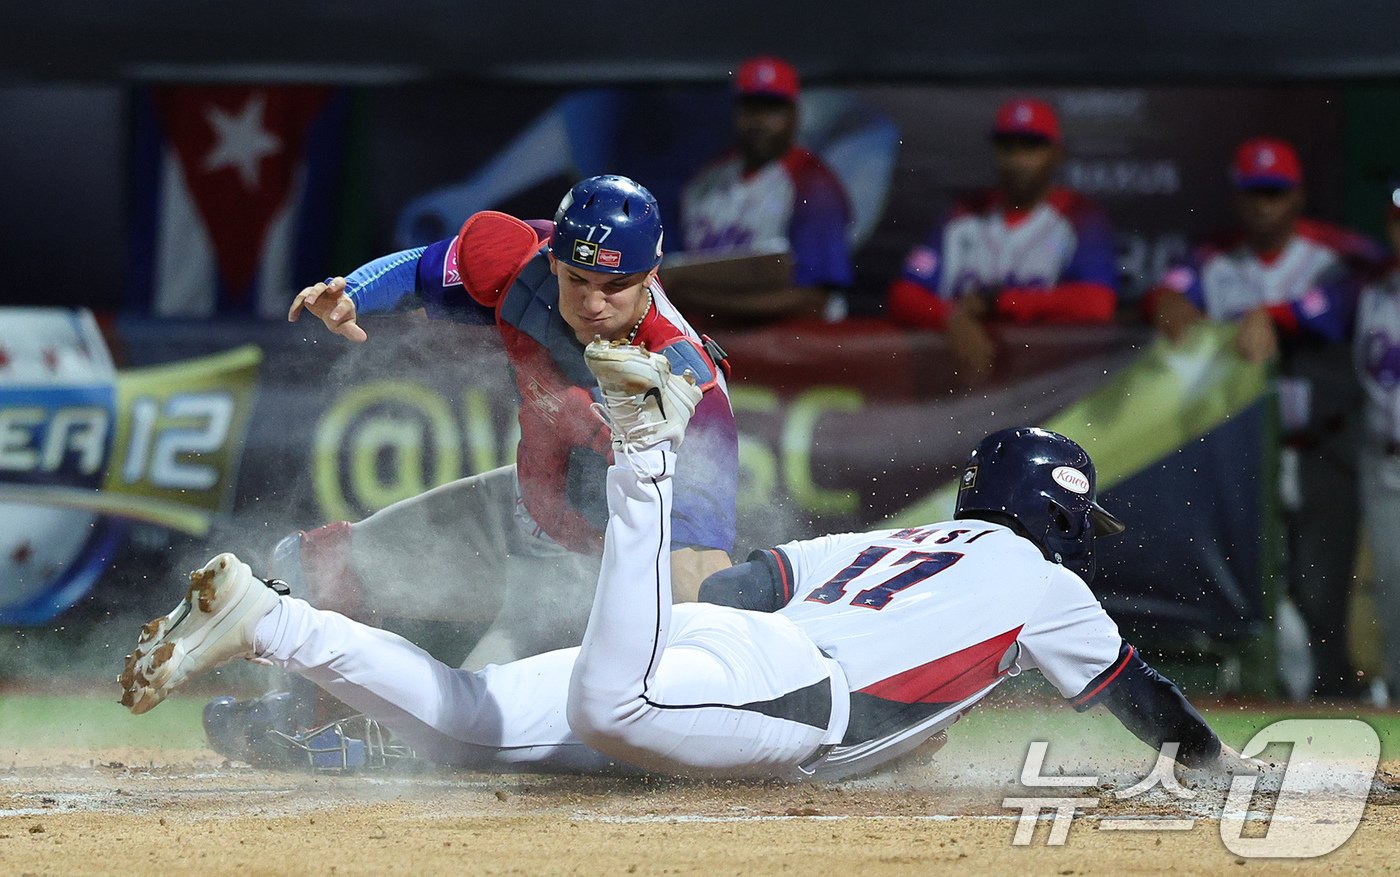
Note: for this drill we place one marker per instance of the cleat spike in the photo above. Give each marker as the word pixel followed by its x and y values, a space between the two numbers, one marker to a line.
pixel 211 626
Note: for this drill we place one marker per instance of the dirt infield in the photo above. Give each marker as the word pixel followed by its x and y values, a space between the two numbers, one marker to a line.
pixel 173 811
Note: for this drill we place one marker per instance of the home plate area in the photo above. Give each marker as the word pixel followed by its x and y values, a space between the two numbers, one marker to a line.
pixel 176 811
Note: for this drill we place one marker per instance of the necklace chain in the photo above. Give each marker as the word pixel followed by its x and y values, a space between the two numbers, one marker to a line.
pixel 637 327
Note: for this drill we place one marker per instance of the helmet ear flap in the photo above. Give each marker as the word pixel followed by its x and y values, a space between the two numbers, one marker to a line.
pixel 1061 522
pixel 1069 540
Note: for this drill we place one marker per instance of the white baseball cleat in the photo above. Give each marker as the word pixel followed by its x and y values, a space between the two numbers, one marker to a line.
pixel 643 402
pixel 213 625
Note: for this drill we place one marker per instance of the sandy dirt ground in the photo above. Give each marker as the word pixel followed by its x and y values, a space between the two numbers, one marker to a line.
pixel 163 811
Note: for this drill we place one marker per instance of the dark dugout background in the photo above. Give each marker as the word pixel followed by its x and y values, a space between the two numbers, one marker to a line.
pixel 1156 158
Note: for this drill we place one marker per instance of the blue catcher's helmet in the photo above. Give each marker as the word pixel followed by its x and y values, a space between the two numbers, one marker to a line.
pixel 1046 484
pixel 609 224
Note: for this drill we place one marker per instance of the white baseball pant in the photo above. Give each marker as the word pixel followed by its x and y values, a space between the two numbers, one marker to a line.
pixel 693 689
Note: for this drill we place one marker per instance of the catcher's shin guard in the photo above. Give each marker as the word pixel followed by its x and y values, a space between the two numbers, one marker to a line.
pixel 316 564
pixel 331 582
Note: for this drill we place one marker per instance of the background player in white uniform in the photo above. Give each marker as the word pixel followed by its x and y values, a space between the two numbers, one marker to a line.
pixel 886 637
pixel 769 193
pixel 1290 283
pixel 1026 251
pixel 1378 363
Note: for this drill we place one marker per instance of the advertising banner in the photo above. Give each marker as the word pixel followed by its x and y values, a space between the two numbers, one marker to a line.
pixel 184 451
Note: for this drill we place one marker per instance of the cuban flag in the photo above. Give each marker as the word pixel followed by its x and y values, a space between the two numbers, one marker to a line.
pixel 234 196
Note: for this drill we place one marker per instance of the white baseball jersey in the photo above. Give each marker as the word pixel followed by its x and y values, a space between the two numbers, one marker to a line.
pixel 958 604
pixel 1226 279
pixel 1378 356
pixel 793 203
pixel 1305 287
pixel 926 621
pixel 724 208
pixel 1238 281
pixel 986 250
pixel 981 244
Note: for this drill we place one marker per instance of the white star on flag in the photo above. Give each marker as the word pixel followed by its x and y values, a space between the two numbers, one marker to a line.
pixel 242 141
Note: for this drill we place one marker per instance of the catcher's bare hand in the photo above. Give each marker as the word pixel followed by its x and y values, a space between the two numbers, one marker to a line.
pixel 329 302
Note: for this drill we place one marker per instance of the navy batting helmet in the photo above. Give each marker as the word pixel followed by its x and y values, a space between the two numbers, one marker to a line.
pixel 609 224
pixel 1045 483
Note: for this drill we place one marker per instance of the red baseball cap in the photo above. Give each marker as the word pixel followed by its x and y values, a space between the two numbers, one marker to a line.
pixel 766 76
pixel 1023 117
pixel 1266 163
